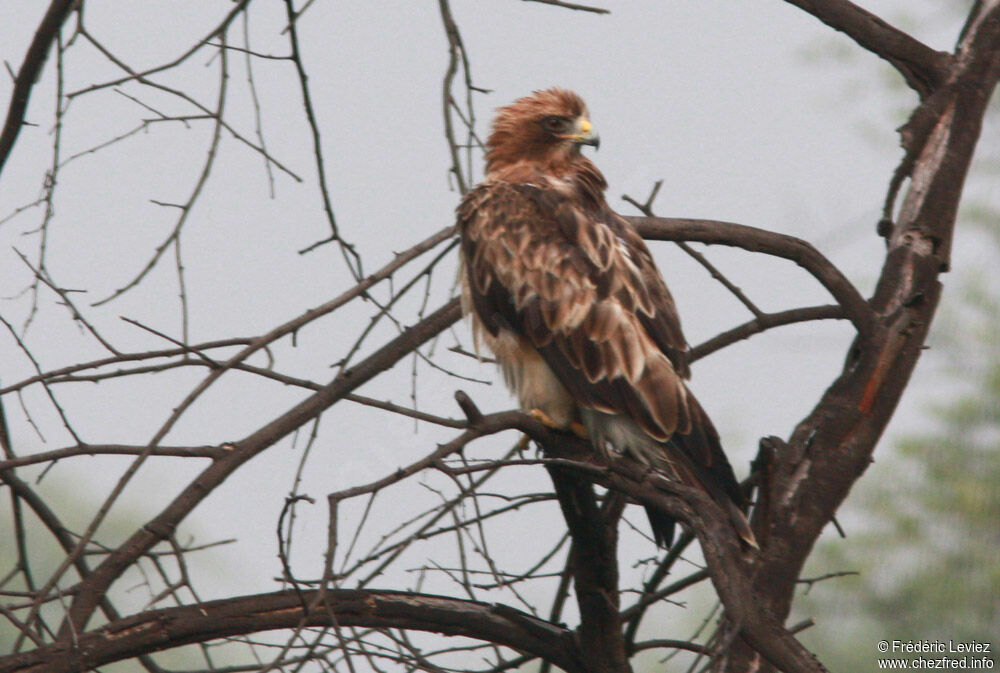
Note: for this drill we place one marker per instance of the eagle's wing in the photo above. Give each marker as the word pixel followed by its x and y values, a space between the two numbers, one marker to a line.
pixel 585 292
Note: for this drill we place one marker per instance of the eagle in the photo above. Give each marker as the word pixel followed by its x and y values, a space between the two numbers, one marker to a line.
pixel 566 295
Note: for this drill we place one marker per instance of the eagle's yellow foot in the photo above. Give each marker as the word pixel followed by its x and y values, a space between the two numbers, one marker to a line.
pixel 544 419
pixel 574 427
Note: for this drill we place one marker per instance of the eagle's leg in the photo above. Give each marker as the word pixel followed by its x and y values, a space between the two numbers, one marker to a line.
pixel 575 427
pixel 522 444
pixel 579 429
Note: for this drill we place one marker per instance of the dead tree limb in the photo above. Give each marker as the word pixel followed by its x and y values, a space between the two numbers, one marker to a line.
pixel 831 448
pixel 923 68
pixel 156 630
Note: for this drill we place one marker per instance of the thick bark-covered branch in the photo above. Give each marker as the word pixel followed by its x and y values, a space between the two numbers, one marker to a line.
pixel 923 68
pixel 808 478
pixel 729 570
pixel 593 563
pixel 164 629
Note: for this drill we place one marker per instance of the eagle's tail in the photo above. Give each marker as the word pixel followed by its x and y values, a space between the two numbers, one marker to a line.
pixel 700 451
pixel 694 458
pixel 663 525
pixel 742 526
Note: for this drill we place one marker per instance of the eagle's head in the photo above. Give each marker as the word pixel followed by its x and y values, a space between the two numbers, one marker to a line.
pixel 547 127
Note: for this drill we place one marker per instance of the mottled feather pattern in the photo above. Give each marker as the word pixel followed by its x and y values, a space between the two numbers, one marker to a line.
pixel 566 294
pixel 577 295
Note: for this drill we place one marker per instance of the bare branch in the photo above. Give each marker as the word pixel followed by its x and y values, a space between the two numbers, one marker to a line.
pixel 647 210
pixel 174 237
pixel 770 243
pixel 573 5
pixel 923 68
pixel 456 56
pixel 122 358
pixel 163 524
pixel 113 450
pixel 45 36
pixel 158 629
pixel 237 9
pixel 351 255
pixel 762 323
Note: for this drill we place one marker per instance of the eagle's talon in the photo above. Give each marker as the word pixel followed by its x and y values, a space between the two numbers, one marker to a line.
pixel 575 427
pixel 544 419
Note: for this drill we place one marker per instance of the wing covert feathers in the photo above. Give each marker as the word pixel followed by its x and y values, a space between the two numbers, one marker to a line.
pixel 570 278
pixel 585 293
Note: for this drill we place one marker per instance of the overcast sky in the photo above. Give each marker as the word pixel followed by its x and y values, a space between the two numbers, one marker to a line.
pixel 751 112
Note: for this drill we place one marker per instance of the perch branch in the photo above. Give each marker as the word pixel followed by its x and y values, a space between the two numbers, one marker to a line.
pixel 768 242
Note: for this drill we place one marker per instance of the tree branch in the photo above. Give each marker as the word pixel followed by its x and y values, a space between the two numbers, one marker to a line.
pixel 573 5
pixel 112 450
pixel 762 323
pixel 923 68
pixel 157 630
pixel 31 68
pixel 729 571
pixel 768 242
pixel 806 480
pixel 593 563
pixel 167 520
pixel 238 7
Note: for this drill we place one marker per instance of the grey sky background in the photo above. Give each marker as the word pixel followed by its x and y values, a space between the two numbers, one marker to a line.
pixel 744 109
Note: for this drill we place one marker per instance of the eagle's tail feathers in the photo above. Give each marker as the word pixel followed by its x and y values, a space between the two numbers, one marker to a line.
pixel 663 526
pixel 740 523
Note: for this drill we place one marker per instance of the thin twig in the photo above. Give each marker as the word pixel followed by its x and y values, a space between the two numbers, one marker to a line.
pixel 647 210
pixel 573 5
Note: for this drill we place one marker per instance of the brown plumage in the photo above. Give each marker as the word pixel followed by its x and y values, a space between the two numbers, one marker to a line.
pixel 566 295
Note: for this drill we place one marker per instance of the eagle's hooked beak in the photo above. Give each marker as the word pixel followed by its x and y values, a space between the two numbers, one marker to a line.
pixel 585 133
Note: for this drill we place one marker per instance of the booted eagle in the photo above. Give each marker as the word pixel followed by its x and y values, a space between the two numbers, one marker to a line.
pixel 566 295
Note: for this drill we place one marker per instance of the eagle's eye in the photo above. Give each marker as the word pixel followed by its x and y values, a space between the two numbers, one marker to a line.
pixel 556 124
